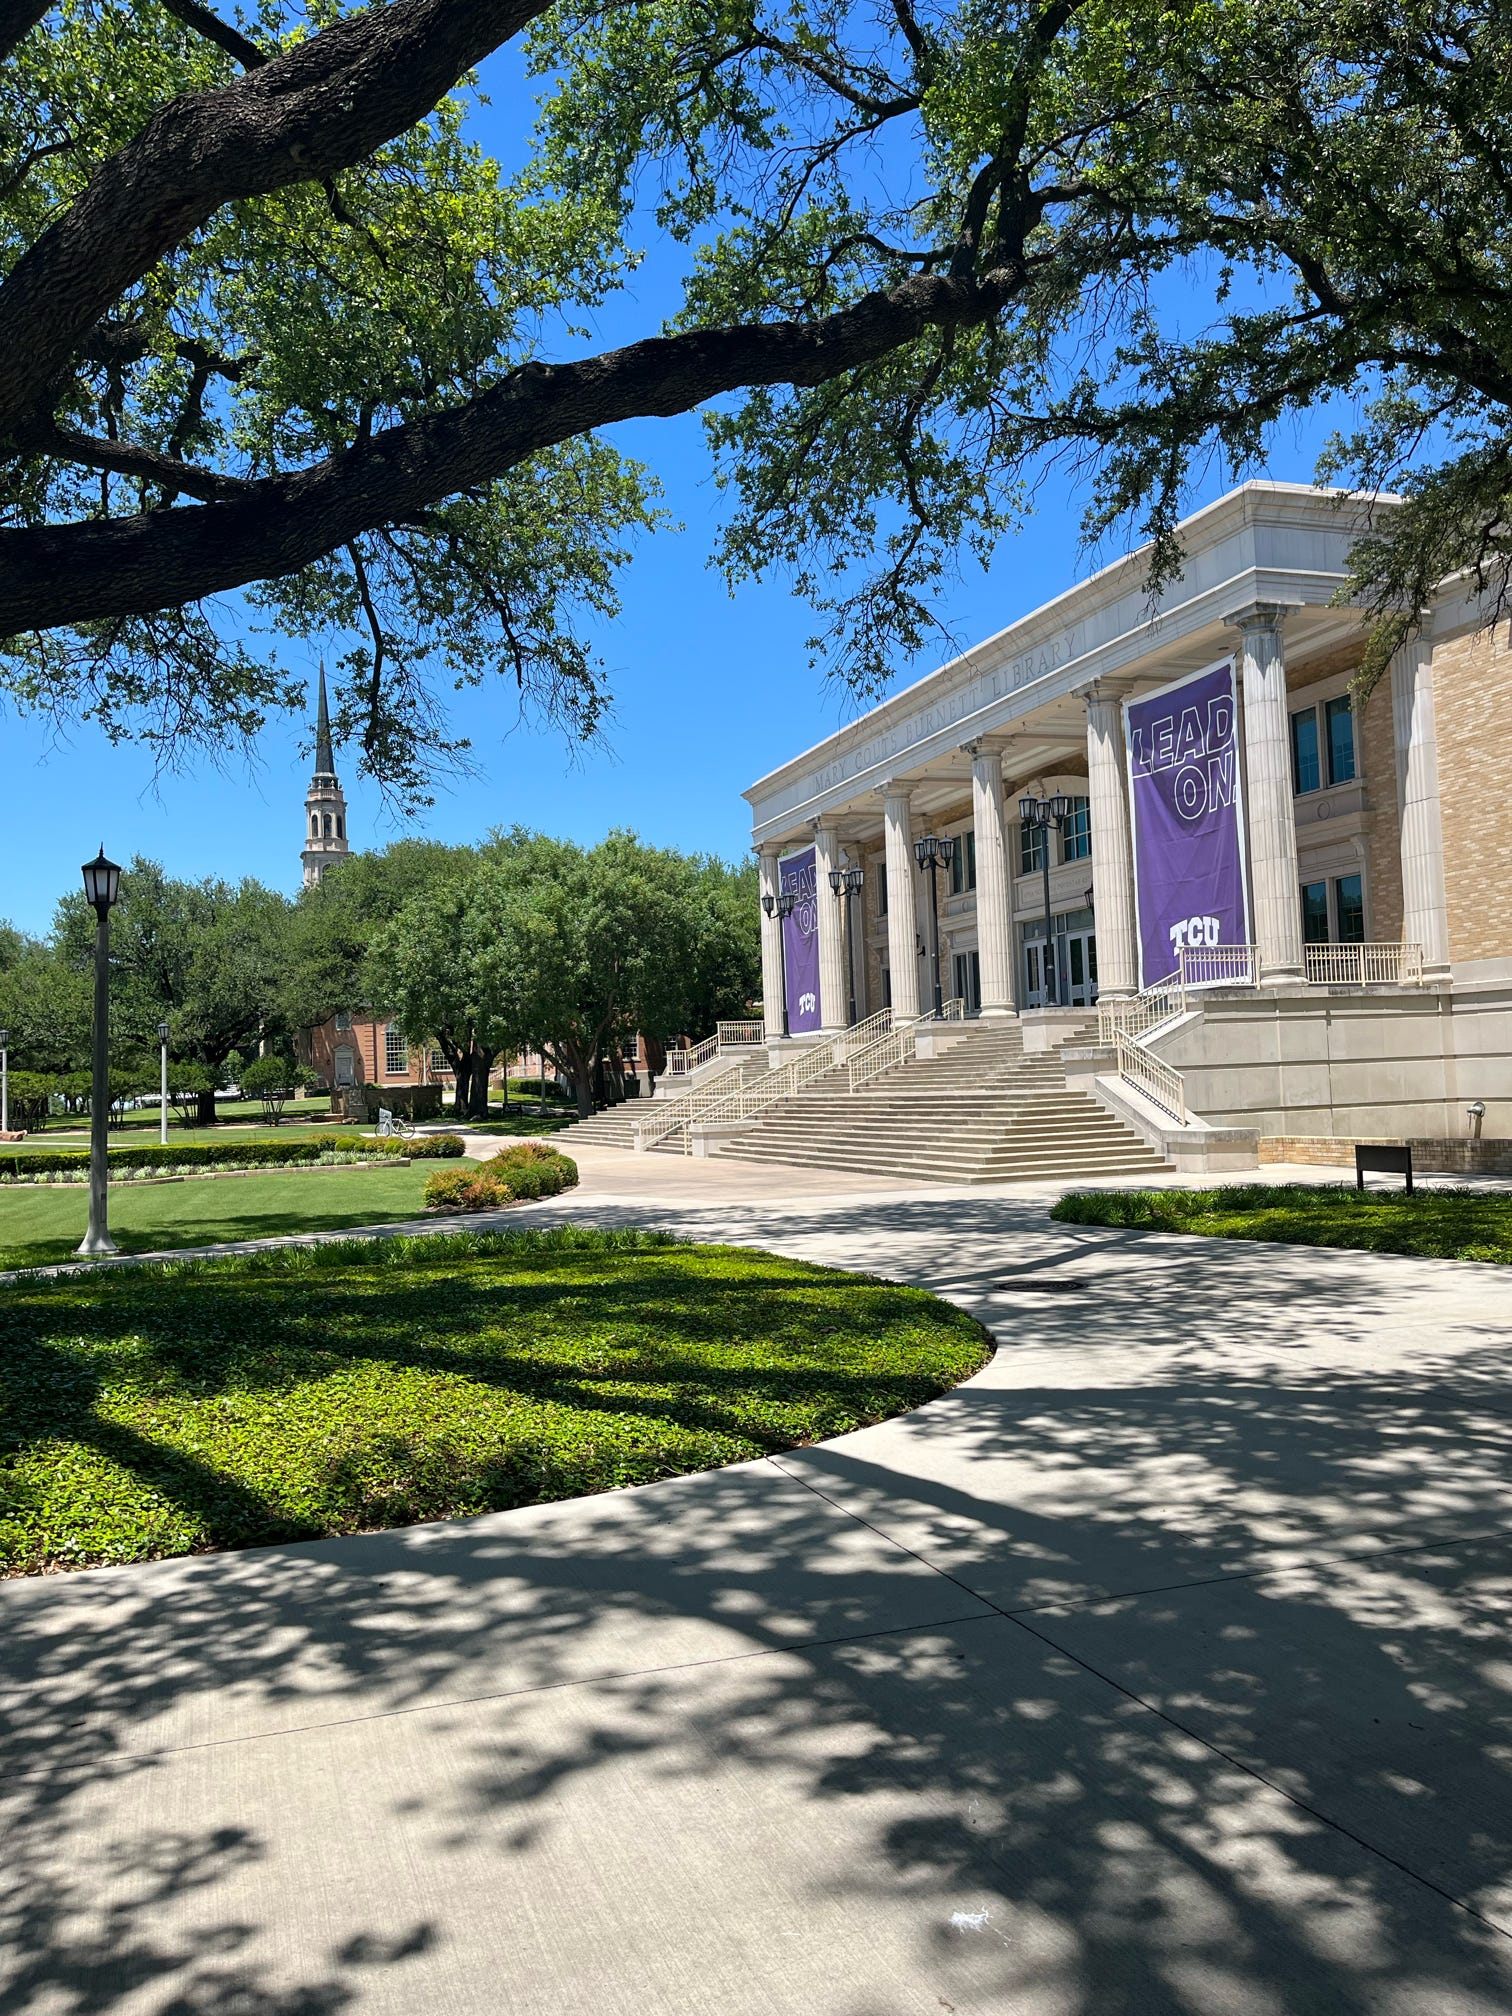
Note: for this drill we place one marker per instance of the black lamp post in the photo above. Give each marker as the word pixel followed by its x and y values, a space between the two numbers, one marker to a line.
pixel 933 852
pixel 163 1087
pixel 845 882
pixel 102 886
pixel 1045 813
pixel 781 906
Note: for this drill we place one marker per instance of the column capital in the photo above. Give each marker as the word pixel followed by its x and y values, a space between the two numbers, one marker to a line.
pixel 896 787
pixel 1260 615
pixel 1102 688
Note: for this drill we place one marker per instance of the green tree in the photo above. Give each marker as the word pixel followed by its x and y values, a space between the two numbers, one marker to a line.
pixel 208 957
pixel 271 323
pixel 724 977
pixel 330 967
pixel 47 1004
pixel 434 980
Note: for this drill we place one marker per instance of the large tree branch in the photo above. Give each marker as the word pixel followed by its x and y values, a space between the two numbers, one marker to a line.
pixel 221 33
pixel 80 572
pixel 305 115
pixel 126 458
pixel 17 20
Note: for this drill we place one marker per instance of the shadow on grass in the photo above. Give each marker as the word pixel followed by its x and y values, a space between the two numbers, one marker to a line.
pixel 828 1778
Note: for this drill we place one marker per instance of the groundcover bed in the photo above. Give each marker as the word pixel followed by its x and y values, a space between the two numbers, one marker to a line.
pixel 289 1394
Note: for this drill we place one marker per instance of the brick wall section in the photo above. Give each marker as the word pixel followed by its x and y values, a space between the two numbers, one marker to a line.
pixel 1375 758
pixel 1462 1157
pixel 1472 698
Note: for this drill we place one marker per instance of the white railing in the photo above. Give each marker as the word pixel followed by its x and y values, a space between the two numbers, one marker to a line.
pixel 1218 966
pixel 664 1117
pixel 1376 965
pixel 897 1045
pixel 1152 1076
pixel 1142 1011
pixel 727 1036
pixel 744 1102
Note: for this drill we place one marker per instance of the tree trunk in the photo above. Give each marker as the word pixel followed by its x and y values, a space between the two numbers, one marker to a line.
pixel 205 1113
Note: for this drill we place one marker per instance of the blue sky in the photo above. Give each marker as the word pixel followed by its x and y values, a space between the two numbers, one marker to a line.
pixel 711 691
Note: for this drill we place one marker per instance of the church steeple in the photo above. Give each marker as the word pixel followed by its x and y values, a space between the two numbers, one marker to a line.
pixel 325 764
pixel 325 801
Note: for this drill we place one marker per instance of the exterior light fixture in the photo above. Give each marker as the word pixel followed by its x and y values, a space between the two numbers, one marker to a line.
pixel 102 887
pixel 1044 813
pixel 932 851
pixel 780 906
pixel 845 882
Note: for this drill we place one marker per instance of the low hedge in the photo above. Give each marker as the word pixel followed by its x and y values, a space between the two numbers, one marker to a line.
pixel 517 1175
pixel 419 1148
pixel 190 1155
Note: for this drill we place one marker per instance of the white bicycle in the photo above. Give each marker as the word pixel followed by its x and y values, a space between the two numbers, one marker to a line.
pixel 394 1126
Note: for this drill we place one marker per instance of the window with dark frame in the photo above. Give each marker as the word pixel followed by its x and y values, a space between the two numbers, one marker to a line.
pixel 1338 717
pixel 1315 913
pixel 963 863
pixel 1349 909
pixel 1076 839
pixel 1031 848
pixel 1306 774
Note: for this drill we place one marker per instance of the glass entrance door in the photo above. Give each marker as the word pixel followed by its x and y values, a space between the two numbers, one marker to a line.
pixel 1078 964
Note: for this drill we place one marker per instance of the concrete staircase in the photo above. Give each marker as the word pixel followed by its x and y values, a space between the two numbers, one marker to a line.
pixel 983 1112
pixel 615 1126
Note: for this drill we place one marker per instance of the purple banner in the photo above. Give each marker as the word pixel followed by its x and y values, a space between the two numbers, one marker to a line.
pixel 1189 885
pixel 800 943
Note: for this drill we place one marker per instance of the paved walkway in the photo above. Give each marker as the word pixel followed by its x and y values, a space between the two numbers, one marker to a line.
pixel 1162 1668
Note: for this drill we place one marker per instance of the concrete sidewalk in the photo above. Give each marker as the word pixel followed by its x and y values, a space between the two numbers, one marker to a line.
pixel 1162 1668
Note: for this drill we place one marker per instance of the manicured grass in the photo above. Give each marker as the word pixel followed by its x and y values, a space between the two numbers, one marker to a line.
pixel 1457 1224
pixel 519 1123
pixel 307 1391
pixel 40 1226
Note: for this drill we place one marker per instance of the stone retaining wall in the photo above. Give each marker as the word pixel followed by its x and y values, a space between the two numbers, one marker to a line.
pixel 1462 1157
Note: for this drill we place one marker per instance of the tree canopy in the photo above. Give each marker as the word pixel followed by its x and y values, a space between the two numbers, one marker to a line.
pixel 271 322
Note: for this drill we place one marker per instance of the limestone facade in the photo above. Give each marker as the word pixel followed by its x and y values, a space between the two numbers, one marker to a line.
pixel 1379 821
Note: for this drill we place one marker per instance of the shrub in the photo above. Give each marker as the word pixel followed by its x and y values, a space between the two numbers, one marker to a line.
pixel 28 1162
pixel 464 1190
pixel 432 1147
pixel 520 1174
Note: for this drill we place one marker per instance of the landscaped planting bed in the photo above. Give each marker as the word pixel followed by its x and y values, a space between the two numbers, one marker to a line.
pixel 1457 1224
pixel 172 1409
pixel 127 1164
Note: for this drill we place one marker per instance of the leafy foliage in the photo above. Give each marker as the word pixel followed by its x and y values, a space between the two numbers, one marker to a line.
pixel 1448 1224
pixel 521 1174
pixel 348 1386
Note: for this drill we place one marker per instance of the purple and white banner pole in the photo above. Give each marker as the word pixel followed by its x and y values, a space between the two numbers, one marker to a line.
pixel 800 942
pixel 1187 812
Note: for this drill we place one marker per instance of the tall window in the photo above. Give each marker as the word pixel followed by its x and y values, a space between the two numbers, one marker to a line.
pixel 395 1050
pixel 1076 840
pixel 1323 745
pixel 340 827
pixel 1031 848
pixel 1338 718
pixel 963 863
pixel 1349 908
pixel 881 874
pixel 1306 775
pixel 1315 913
pixel 343 1019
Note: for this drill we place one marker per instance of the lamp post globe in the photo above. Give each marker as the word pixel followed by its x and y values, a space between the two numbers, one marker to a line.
pixel 782 905
pixel 102 888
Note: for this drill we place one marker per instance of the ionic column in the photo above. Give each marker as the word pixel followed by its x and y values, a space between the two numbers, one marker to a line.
pixel 832 988
pixel 1112 856
pixel 1425 904
pixel 994 926
pixel 1268 795
pixel 902 914
pixel 771 947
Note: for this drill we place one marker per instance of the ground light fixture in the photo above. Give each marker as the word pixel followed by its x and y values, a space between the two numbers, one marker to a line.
pixel 102 888
pixel 780 906
pixel 163 1047
pixel 935 851
pixel 1045 813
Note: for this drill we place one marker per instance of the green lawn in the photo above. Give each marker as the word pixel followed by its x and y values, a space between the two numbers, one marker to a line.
pixel 1438 1224
pixel 316 1390
pixel 42 1225
pixel 520 1123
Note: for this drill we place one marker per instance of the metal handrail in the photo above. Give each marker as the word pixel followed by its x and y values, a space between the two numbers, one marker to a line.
pixel 727 1036
pixel 739 1035
pixel 1218 966
pixel 1154 1004
pixel 1152 1076
pixel 665 1117
pixel 898 1045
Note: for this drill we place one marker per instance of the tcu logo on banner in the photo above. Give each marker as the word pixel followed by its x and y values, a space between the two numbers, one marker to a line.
pixel 1185 801
pixel 800 942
